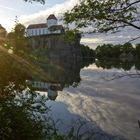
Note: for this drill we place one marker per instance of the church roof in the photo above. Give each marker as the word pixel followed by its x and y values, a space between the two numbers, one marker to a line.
pixel 34 26
pixel 44 25
pixel 52 16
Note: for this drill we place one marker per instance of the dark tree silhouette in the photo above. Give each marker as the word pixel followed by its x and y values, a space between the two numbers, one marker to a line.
pixel 105 15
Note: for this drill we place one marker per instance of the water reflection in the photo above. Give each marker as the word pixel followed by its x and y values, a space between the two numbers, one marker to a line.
pixel 56 76
pixel 125 65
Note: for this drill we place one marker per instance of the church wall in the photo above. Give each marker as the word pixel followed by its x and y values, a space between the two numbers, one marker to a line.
pixel 36 32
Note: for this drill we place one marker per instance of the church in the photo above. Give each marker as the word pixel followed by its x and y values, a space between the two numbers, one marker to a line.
pixel 50 27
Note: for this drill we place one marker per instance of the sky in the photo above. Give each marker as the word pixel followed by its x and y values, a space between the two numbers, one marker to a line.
pixel 28 13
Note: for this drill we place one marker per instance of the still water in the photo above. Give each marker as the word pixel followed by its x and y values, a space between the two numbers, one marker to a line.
pixel 105 94
pixel 112 105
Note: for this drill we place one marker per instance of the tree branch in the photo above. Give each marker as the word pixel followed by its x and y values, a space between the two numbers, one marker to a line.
pixel 133 39
pixel 132 4
pixel 123 21
pixel 131 75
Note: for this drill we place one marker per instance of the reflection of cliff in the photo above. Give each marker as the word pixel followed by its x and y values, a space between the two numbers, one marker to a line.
pixel 64 72
pixel 60 73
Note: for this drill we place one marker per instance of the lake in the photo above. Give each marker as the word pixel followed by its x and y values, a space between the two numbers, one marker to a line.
pixel 111 105
pixel 103 94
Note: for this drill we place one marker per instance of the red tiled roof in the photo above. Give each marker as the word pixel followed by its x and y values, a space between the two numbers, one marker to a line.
pixel 56 27
pixel 52 16
pixel 34 26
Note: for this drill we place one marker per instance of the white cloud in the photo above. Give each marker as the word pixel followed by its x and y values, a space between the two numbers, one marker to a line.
pixel 91 40
pixel 41 16
pixel 8 8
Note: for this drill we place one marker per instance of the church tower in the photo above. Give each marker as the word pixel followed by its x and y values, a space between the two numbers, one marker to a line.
pixel 51 20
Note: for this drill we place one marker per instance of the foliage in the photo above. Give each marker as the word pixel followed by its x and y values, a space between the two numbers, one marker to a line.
pixel 107 50
pixel 109 64
pixel 25 116
pixel 114 51
pixel 104 15
pixel 72 35
pixel 21 115
pixel 86 51
pixel 138 50
pixel 127 48
pixel 3 34
pixel 17 39
pixel 19 30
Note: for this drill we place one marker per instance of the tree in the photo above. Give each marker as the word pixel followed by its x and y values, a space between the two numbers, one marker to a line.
pixel 3 33
pixel 17 37
pixel 19 31
pixel 127 48
pixel 105 50
pixel 105 15
pixel 138 50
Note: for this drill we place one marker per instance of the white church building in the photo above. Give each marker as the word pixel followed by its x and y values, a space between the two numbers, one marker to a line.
pixel 50 27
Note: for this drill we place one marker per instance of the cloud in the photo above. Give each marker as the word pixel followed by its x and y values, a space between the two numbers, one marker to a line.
pixel 41 16
pixel 95 39
pixel 91 40
pixel 8 8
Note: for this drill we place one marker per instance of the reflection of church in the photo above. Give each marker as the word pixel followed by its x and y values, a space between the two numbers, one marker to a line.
pixel 59 74
pixel 52 94
pixel 51 89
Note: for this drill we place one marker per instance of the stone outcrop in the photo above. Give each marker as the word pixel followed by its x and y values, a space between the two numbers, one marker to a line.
pixel 57 45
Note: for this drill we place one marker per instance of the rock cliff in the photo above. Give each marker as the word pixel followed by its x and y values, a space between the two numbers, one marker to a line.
pixel 57 45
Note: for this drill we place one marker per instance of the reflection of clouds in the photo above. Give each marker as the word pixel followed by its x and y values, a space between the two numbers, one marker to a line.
pixel 113 105
pixel 66 119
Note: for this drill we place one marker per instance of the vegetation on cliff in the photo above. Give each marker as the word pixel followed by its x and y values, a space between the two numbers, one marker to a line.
pixel 72 35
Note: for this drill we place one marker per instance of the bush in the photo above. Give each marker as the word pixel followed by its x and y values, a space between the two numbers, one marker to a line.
pixel 21 115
